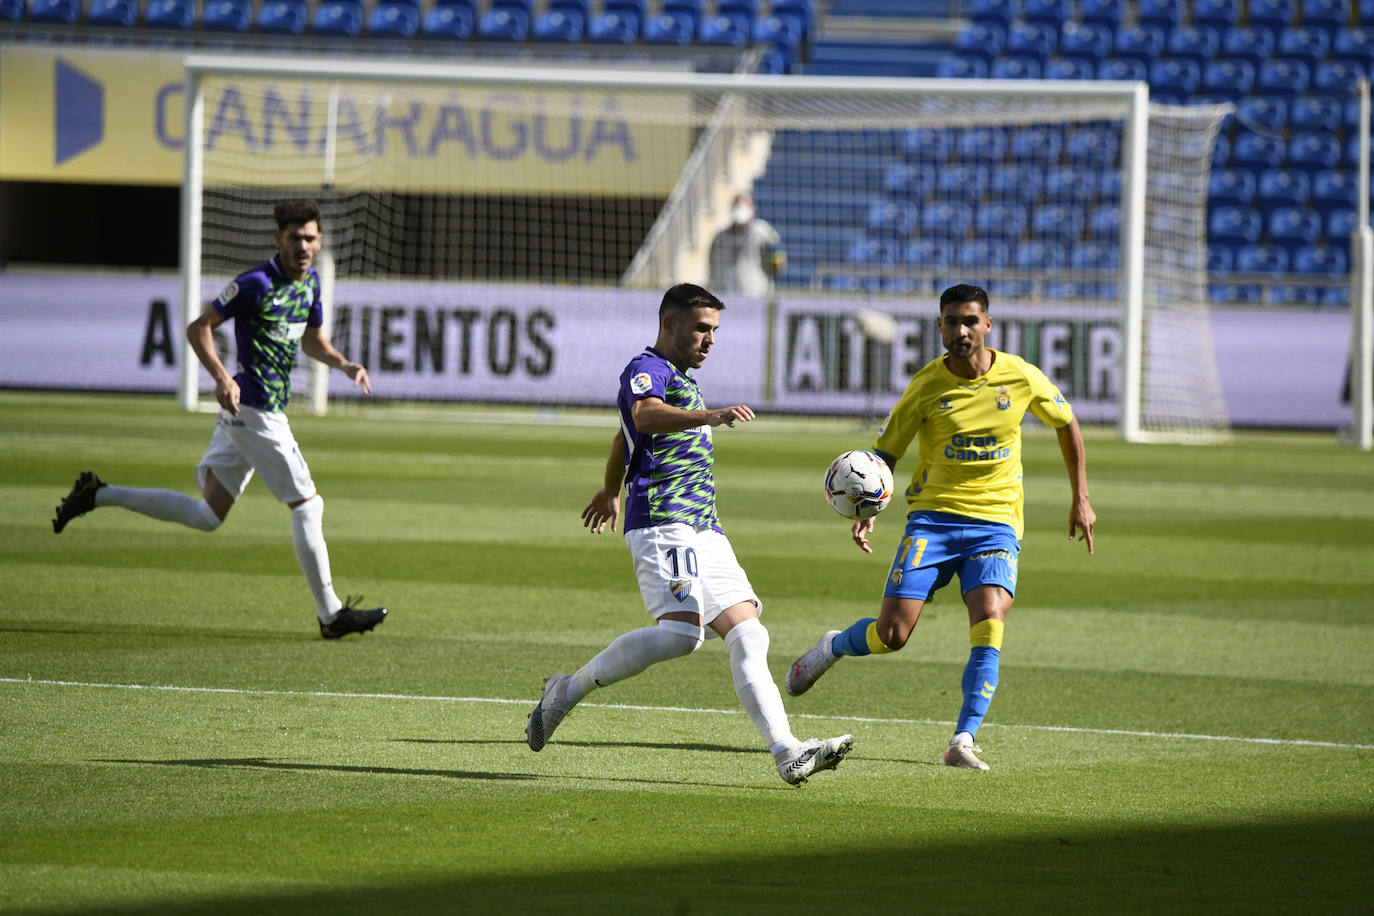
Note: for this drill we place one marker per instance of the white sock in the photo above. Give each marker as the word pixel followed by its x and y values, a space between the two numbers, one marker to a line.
pixel 307 535
pixel 632 652
pixel 166 505
pixel 755 687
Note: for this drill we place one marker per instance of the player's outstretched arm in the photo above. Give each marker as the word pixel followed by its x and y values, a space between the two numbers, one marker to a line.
pixel 1082 518
pixel 201 335
pixel 317 346
pixel 652 415
pixel 605 505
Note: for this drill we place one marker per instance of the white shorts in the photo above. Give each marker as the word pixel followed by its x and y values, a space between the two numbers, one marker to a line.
pixel 681 568
pixel 256 440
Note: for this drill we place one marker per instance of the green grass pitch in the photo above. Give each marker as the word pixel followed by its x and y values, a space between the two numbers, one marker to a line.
pixel 1185 721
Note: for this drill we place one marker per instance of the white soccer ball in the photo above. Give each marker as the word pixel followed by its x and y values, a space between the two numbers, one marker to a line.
pixel 858 484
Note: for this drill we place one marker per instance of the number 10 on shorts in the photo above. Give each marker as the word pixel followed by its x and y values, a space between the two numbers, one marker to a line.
pixel 688 566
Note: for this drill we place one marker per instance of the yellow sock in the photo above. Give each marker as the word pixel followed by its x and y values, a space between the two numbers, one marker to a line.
pixel 986 633
pixel 875 645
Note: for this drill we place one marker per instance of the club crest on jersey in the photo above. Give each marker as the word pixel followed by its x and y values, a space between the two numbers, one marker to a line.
pixel 229 293
pixel 639 385
pixel 945 404
pixel 1003 398
pixel 896 577
pixel 681 589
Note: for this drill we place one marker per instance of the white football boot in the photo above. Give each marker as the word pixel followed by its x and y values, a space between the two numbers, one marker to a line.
pixel 813 756
pixel 548 712
pixel 806 670
pixel 961 753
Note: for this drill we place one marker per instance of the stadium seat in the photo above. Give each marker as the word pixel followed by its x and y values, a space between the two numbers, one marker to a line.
pixel 1328 15
pixel 1235 226
pixel 930 254
pixel 558 25
pixel 1040 254
pixel 1248 42
pixel 1261 259
pixel 1338 225
pixel 1313 150
pixel 338 17
pixel 1231 187
pixel 980 144
pixel 1051 12
pixel 1069 68
pixel 1229 77
pixel 890 219
pixel 1272 15
pixel 1284 294
pixel 280 17
pixel 524 6
pixel 1221 151
pixel 1326 260
pixel 958 182
pixel 227 16
pixel 1314 112
pixel 1037 144
pixel 1016 184
pixel 1060 222
pixel 694 8
pixel 802 13
pixel 63 12
pixel 1219 13
pixel 449 21
pixel 1164 13
pixel 11 10
pixel 1354 44
pixel 727 30
pixel 1198 43
pixel 675 28
pixel 1334 189
pixel 1220 258
pixel 112 13
pixel 1123 68
pixel 1000 12
pixel 984 255
pixel 1032 39
pixel 1293 227
pixel 1335 297
pixel 1092 147
pixel 1235 293
pixel 1352 152
pixel 781 33
pixel 1139 42
pixel 1105 222
pixel 1174 79
pixel 1337 77
pixel 1095 256
pixel 1282 76
pixel 749 8
pixel 981 39
pixel 1015 68
pixel 961 67
pixel 1256 151
pixel 928 144
pixel 1306 43
pixel 1088 40
pixel 1263 111
pixel 1282 188
pixel 1005 221
pixel 394 20
pixel 576 6
pixel 1106 12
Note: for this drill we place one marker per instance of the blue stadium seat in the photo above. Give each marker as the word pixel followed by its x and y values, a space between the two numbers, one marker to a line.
pixel 1283 294
pixel 928 144
pixel 470 5
pixel 1221 152
pixel 1282 188
pixel 957 182
pixel 1032 39
pixel 1354 44
pixel 558 25
pixel 1069 68
pixel 1219 13
pixel 891 219
pixel 63 12
pixel 984 255
pixel 1314 112
pixel 1088 40
pixel 1272 15
pixel 1313 150
pixel 728 30
pixel 675 28
pixel 1174 79
pixel 1163 13
pixel 227 16
pixel 781 33
pixel 749 8
pixel 1139 42
pixel 961 67
pixel 1067 182
pixel 1060 222
pixel 338 17
pixel 1015 68
pixel 1248 42
pixel 1328 15
pixel 1256 151
pixel 1336 297
pixel 1198 43
pixel 1337 77
pixel 1092 147
pixel 1231 187
pixel 800 12
pixel 394 20
pixel 1007 221
pixel 1040 254
pixel 1228 77
pixel 1037 144
pixel 281 17
pixel 1263 111
pixel 524 6
pixel 937 218
pixel 614 27
pixel 11 10
pixel 1235 293
pixel 449 21
pixel 1095 256
pixel 694 8
pixel 903 180
pixel 1122 68
pixel 1352 152
pixel 981 39
pixel 1221 258
pixel 116 13
pixel 1325 260
pixel 1104 222
pixel 1051 12
pixel 1293 227
pixel 1021 185
pixel 504 23
pixel 1338 225
pixel 1282 76
pixel 1000 12
pixel 1235 226
pixel 980 144
pixel 1107 12
pixel 1306 43
pixel 930 253
pixel 1334 189
pixel 1079 289
pixel 575 6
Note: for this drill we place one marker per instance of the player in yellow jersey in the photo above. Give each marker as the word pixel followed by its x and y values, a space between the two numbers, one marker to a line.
pixel 964 504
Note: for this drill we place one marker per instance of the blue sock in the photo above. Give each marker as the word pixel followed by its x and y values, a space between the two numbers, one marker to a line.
pixel 980 682
pixel 853 640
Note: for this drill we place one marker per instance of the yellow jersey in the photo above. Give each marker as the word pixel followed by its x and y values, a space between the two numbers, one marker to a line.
pixel 969 433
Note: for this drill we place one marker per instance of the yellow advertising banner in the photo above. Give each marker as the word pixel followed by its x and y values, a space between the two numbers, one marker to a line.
pixel 118 118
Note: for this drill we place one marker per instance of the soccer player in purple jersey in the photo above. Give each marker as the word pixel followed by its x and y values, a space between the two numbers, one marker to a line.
pixel 687 571
pixel 276 311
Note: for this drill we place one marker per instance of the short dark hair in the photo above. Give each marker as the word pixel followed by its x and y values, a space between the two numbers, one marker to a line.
pixel 964 293
pixel 685 298
pixel 295 211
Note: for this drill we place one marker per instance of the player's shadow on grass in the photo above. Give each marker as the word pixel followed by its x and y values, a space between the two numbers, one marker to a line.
pixel 651 745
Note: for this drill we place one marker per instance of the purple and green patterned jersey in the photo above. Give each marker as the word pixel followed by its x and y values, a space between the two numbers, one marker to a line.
pixel 668 476
pixel 270 313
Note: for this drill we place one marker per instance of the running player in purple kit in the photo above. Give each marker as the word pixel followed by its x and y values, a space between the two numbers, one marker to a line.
pixel 276 311
pixel 687 571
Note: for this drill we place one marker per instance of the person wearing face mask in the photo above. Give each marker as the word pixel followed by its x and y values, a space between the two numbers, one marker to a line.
pixel 746 256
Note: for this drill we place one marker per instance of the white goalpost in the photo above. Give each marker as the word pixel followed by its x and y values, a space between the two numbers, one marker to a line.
pixel 470 211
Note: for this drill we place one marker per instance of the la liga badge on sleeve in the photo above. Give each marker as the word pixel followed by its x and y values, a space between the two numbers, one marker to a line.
pixel 641 383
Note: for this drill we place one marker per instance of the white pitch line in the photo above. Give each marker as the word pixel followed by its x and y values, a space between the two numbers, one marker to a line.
pixel 1067 729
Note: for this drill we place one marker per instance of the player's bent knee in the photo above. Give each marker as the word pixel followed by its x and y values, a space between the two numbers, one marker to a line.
pixel 205 518
pixel 891 636
pixel 690 635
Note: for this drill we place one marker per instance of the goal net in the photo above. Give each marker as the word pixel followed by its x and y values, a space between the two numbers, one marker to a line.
pixel 503 235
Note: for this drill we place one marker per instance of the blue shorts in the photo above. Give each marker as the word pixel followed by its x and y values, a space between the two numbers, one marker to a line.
pixel 936 545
